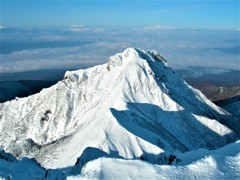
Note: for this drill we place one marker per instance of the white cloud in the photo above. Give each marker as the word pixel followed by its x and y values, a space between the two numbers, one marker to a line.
pixel 83 28
pixel 157 27
pixel 58 58
pixel 78 26
pixel 50 38
pixel 182 48
pixel 2 27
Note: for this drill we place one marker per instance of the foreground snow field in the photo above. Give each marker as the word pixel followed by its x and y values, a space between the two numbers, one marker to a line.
pixel 132 108
pixel 217 164
pixel 223 163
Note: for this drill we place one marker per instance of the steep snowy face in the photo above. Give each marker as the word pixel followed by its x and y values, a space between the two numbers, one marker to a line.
pixel 133 107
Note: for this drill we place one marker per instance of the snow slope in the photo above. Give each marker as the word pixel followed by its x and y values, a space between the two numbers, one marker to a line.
pixel 133 107
pixel 11 168
pixel 232 105
pixel 219 164
pixel 233 108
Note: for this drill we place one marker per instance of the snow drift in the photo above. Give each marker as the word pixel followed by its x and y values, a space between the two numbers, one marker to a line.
pixel 133 107
pixel 218 164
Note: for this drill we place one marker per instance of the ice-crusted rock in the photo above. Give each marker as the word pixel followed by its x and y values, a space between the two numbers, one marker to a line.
pixel 133 107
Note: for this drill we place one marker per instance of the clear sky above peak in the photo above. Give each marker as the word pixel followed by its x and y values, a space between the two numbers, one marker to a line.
pixel 129 13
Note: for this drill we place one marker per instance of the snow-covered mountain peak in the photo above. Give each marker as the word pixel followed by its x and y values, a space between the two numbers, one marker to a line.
pixel 134 54
pixel 133 107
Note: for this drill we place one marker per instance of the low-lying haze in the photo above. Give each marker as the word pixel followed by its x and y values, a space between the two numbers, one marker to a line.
pixel 80 46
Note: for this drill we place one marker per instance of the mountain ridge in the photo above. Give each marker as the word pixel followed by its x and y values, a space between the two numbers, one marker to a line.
pixel 135 96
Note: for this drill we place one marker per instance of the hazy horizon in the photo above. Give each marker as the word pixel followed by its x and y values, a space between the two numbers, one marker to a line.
pixel 52 34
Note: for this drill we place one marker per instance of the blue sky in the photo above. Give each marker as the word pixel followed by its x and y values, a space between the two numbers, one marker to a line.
pixel 179 14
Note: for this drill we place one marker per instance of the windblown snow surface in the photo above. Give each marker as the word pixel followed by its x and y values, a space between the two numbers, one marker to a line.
pixel 217 164
pixel 130 110
pixel 201 164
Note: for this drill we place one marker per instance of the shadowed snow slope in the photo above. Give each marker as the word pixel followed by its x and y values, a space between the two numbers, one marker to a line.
pixel 219 164
pixel 133 107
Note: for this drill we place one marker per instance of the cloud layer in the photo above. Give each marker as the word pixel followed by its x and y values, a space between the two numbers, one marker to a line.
pixel 183 48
